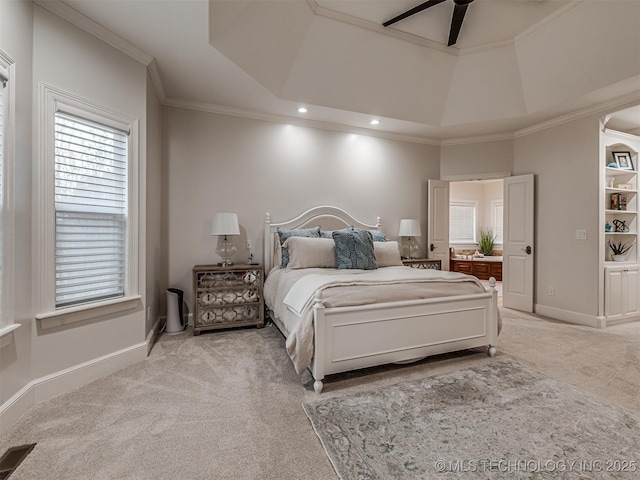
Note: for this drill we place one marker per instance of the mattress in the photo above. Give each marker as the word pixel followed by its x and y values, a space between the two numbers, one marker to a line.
pixel 337 288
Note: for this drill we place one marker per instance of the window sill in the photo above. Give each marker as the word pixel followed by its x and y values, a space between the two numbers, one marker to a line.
pixel 66 316
pixel 5 331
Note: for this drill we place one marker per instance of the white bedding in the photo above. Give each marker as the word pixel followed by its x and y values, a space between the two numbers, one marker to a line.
pixel 289 293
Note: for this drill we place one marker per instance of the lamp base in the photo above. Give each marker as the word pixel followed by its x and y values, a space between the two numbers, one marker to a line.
pixel 225 250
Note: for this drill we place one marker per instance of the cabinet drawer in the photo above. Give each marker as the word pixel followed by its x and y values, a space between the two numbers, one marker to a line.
pixel 481 268
pixel 462 267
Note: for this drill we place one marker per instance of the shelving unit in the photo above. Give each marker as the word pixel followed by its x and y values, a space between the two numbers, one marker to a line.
pixel 626 213
pixel 619 205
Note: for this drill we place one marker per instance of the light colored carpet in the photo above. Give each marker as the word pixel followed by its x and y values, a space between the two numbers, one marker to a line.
pixel 227 404
pixel 487 422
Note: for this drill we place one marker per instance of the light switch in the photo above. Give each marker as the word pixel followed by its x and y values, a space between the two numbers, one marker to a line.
pixel 581 234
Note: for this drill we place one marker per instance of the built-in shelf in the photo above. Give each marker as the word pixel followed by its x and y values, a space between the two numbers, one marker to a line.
pixel 619 205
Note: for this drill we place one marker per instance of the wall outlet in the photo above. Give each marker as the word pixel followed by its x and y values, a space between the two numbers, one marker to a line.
pixel 581 234
pixel 552 291
pixel 248 244
pixel 148 313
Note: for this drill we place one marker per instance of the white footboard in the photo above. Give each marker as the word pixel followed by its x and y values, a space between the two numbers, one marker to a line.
pixel 349 338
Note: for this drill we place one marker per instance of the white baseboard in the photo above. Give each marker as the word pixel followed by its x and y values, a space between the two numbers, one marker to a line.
pixel 56 383
pixel 570 317
pixel 153 334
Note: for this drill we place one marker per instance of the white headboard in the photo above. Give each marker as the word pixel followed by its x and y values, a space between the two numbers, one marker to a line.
pixel 326 217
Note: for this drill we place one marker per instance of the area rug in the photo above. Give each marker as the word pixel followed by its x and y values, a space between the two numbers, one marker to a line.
pixel 497 420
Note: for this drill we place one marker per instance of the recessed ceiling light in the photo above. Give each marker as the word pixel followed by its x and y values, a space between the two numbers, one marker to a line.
pixel 302 110
pixel 374 122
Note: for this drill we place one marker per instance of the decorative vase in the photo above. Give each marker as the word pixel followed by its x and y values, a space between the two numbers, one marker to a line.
pixel 618 258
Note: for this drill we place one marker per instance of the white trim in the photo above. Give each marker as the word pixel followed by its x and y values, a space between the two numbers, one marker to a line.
pixel 7 243
pixel 276 118
pixel 628 100
pixel 53 99
pixel 46 387
pixel 433 45
pixel 76 18
pixel 156 80
pixel 570 317
pixel 153 334
pixel 476 176
pixel 5 337
pixel 79 313
pixel 497 137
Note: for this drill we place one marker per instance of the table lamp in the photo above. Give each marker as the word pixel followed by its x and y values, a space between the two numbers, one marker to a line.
pixel 410 227
pixel 225 224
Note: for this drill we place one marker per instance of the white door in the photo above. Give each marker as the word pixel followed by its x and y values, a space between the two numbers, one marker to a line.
pixel 438 227
pixel 518 248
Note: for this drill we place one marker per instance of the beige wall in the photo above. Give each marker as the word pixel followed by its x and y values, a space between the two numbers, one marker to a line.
pixel 49 50
pixel 16 41
pixel 468 161
pixel 156 265
pixel 70 59
pixel 220 163
pixel 564 159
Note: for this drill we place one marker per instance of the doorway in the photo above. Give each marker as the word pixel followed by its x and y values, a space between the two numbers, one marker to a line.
pixel 476 210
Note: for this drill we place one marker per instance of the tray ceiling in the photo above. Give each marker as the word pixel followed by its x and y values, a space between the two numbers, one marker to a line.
pixel 516 63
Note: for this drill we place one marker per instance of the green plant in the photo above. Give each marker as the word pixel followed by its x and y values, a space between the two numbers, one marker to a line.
pixel 487 239
pixel 620 248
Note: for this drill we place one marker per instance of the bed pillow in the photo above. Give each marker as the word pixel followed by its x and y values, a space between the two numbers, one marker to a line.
pixel 329 233
pixel 387 254
pixel 286 234
pixel 354 250
pixel 309 252
pixel 377 235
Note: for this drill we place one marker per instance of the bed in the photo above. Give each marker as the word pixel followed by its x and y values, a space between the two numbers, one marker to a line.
pixel 404 314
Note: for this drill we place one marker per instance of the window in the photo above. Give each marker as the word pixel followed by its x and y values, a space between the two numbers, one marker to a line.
pixel 87 209
pixel 91 163
pixel 497 208
pixel 462 222
pixel 6 196
pixel 3 86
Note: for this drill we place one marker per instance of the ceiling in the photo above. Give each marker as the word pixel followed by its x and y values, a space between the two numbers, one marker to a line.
pixel 517 63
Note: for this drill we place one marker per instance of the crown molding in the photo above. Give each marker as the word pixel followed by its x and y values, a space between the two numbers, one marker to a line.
pixel 359 22
pixel 497 137
pixel 625 101
pixel 154 73
pixel 64 11
pixel 274 118
pixel 423 42
pixel 549 19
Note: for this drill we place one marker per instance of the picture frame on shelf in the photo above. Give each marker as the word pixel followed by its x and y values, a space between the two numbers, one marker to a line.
pixel 623 160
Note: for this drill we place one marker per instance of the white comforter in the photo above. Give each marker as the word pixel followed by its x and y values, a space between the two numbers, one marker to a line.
pixel 290 295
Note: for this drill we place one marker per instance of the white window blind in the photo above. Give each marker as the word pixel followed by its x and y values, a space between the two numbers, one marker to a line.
pixel 497 208
pixel 462 222
pixel 90 211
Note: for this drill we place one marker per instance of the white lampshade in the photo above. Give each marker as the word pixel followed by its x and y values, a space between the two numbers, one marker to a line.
pixel 409 227
pixel 225 224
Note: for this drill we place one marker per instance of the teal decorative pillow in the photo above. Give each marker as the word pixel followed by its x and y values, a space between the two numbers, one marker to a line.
pixel 329 233
pixel 377 235
pixel 301 232
pixel 354 250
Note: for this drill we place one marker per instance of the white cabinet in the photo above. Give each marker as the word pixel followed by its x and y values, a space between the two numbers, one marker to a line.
pixel 622 291
pixel 619 223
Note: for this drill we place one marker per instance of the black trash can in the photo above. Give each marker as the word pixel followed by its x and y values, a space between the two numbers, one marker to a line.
pixel 175 319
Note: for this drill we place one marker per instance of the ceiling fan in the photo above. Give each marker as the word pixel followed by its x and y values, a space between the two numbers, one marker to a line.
pixel 456 21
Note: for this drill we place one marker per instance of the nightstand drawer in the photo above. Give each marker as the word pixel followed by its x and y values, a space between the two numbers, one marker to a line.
pixel 227 297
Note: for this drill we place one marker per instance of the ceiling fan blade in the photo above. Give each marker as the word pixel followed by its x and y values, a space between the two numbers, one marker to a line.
pixel 413 11
pixel 456 23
